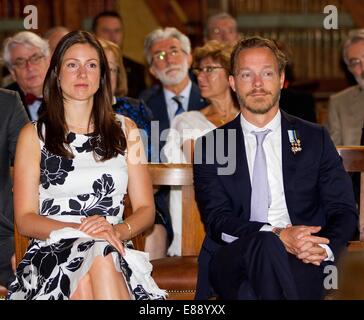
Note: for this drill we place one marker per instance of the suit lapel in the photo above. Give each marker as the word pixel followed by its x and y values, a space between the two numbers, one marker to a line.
pixel 288 160
pixel 241 178
pixel 160 111
pixel 196 101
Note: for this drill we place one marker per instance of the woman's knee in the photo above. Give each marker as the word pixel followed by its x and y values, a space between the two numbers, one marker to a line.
pixel 103 264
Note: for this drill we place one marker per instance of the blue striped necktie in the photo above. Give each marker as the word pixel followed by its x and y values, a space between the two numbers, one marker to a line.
pixel 178 100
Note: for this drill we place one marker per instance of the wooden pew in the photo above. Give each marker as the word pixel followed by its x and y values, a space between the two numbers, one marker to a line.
pixel 353 160
pixel 178 275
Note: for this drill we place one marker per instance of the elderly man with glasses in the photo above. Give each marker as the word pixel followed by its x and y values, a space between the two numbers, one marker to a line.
pixel 168 53
pixel 27 57
pixel 346 109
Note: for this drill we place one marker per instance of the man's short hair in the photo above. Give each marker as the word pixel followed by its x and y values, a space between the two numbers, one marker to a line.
pixel 25 38
pixel 111 14
pixel 162 34
pixel 215 17
pixel 258 42
pixel 354 36
pixel 52 31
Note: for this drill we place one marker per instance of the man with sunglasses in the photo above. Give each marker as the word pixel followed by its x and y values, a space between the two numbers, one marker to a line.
pixel 346 109
pixel 27 57
pixel 168 53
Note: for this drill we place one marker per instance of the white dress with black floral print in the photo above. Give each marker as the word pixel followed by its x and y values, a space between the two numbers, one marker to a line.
pixel 70 189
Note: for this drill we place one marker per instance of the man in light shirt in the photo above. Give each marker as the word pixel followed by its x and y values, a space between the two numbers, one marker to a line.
pixel 288 209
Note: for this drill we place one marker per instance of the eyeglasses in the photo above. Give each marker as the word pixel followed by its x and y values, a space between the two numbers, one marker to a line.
pixel 207 69
pixel 21 63
pixel 355 63
pixel 218 31
pixel 162 55
pixel 249 76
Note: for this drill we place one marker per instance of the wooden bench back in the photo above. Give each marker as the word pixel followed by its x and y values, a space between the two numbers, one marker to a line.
pixel 193 231
pixel 353 161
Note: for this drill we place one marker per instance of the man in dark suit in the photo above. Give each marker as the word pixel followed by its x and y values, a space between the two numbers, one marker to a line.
pixel 168 52
pixel 13 118
pixel 298 103
pixel 27 57
pixel 109 25
pixel 280 207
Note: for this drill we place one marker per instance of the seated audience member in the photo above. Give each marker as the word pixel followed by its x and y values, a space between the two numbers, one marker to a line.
pixel 346 108
pixel 211 64
pixel 13 118
pixel 168 53
pixel 109 25
pixel 27 56
pixel 126 106
pixel 282 207
pixel 54 35
pixel 72 171
pixel 222 27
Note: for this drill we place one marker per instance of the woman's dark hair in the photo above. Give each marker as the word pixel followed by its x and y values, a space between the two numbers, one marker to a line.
pixel 110 137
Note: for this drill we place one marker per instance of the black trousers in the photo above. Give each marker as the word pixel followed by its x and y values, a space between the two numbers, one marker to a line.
pixel 6 251
pixel 259 267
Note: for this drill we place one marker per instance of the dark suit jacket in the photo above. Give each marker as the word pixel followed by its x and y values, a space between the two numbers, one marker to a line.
pixel 154 99
pixel 15 87
pixel 318 191
pixel 298 103
pixel 135 73
pixel 13 118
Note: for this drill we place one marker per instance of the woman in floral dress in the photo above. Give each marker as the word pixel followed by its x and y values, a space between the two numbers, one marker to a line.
pixel 72 170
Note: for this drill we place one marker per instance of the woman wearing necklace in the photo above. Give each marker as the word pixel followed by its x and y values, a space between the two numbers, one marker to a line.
pixel 211 67
pixel 72 171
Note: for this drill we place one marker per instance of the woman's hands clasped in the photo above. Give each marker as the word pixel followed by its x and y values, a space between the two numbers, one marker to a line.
pixel 99 227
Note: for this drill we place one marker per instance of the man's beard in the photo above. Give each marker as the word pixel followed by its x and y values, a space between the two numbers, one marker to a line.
pixel 176 77
pixel 263 108
pixel 360 80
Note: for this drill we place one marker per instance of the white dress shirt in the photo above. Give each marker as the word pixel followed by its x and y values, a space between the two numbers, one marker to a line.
pixel 172 105
pixel 33 109
pixel 277 213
